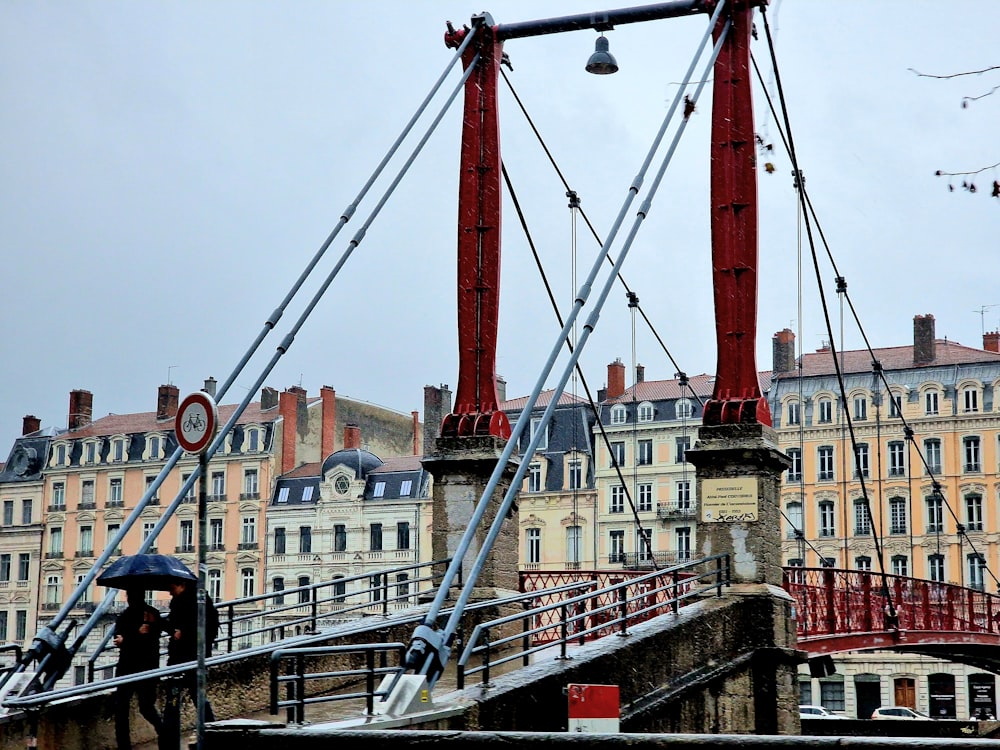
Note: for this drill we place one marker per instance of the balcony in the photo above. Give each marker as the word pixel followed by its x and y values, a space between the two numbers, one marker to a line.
pixel 52 606
pixel 217 498
pixel 85 553
pixel 115 504
pixel 616 557
pixel 53 555
pixel 57 508
pixel 154 500
pixel 250 496
pixel 184 548
pixel 87 505
pixel 248 545
pixel 675 510
pixel 973 468
pixel 217 547
pixel 633 561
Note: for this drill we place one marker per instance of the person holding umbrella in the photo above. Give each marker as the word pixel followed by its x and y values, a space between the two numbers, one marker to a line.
pixel 137 636
pixel 182 624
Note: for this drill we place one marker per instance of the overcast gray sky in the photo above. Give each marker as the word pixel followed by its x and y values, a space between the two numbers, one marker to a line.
pixel 170 167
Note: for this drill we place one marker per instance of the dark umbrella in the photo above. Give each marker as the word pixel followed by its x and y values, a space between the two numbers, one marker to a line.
pixel 148 572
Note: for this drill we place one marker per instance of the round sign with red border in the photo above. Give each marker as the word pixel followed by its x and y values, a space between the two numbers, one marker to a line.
pixel 196 422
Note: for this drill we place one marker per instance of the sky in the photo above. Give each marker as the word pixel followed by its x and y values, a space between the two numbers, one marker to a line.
pixel 169 169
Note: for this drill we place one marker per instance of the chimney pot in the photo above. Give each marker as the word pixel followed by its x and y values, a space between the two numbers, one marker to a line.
pixel 616 379
pixel 783 351
pixel 640 374
pixel 166 401
pixel 30 424
pixel 352 436
pixel 81 408
pixel 923 339
pixel 991 341
pixel 210 385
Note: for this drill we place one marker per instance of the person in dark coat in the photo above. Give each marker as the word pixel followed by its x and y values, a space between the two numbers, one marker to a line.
pixel 137 636
pixel 182 624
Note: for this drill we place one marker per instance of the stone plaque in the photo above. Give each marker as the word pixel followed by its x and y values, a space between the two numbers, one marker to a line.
pixel 729 500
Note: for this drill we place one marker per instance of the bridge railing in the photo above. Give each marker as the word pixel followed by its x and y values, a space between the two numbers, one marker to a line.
pixel 562 619
pixel 833 601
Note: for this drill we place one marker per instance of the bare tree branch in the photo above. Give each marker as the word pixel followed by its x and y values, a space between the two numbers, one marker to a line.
pixel 955 75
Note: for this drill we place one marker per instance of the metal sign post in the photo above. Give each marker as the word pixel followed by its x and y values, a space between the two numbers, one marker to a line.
pixel 197 422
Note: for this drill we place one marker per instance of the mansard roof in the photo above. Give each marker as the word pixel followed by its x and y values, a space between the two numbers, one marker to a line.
pixel 125 424
pixel 946 353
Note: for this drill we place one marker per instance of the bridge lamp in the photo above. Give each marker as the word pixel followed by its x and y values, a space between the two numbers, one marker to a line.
pixel 602 62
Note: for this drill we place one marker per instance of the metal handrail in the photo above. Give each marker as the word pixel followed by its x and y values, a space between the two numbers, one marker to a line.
pixel 680 588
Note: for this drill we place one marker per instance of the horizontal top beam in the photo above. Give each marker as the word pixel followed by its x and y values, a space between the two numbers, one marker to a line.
pixel 602 20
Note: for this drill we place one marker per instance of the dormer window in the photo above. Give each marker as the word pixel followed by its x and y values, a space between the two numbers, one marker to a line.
pixel 90 452
pixel 60 455
pixel 685 409
pixel 646 412
pixel 118 450
pixel 970 400
pixel 618 414
pixel 154 448
pixel 251 440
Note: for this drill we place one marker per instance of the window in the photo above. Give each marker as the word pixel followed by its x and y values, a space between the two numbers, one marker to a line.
pixel 185 539
pixel 935 514
pixel 53 589
pixel 375 537
pixel 149 487
pixel 26 511
pixel 23 565
pixel 861 460
pixel 90 453
pixel 115 499
pixel 20 624
pixel 616 546
pixel 895 405
pixel 793 512
pixel 643 548
pixel 250 487
pixel 154 447
pixel 112 532
pixel 862 518
pixel 683 443
pixel 248 531
pixel 305 540
pixel 644 452
pixel 827 526
pixel 283 495
pixel 897 459
pixel 645 499
pixel 8 512
pixel 55 542
pixel 251 442
pixel 617 500
pixel 215 541
pixel 402 584
pixel 405 487
pixel 897 515
pixel 684 408
pixel 900 565
pixel 118 450
pixel 970 399
pixel 533 546
pixel 278 586
pixel 972 458
pixel 932 455
pixel 682 543
pixel 863 562
pixel 249 578
pixel 795 470
pixel 4 569
pixel 147 530
pixel 825 408
pixel 58 495
pixel 86 541
pixel 189 495
pixel 3 626
pixel 831 693
pixel 339 538
pixel 61 454
pixel 218 484
pixel 534 477
pixel 617 454
pixel 379 489
pixel 87 594
pixel 825 470
pixel 339 590
pixel 646 412
pixel 935 567
pixel 375 587
pixel 618 414
pixel 575 474
pixel 683 491
pixel 931 403
pixel 402 535
pixel 87 493
pixel 536 426
pixel 794 413
pixel 279 540
pixel 305 595
pixel 573 538
pixel 977 565
pixel 215 584
pixel 974 512
pixel 860 408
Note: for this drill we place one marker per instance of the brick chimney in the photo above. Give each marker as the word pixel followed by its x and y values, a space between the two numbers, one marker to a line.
pixel 923 339
pixel 352 436
pixel 640 374
pixel 329 420
pixel 81 409
pixel 268 398
pixel 616 379
pixel 783 351
pixel 30 424
pixel 991 341
pixel 166 401
pixel 437 404
pixel 416 432
pixel 288 405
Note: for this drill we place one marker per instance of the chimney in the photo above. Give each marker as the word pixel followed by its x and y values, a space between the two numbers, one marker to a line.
pixel 300 393
pixel 416 432
pixel 501 387
pixel 352 436
pixel 209 388
pixel 166 401
pixel 783 351
pixel 923 339
pixel 437 405
pixel 640 374
pixel 329 421
pixel 991 341
pixel 81 408
pixel 616 379
pixel 30 424
pixel 288 404
pixel 268 398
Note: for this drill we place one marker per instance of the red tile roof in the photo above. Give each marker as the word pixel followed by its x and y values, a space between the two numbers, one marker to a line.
pixel 399 463
pixel 893 358
pixel 544 398
pixel 305 470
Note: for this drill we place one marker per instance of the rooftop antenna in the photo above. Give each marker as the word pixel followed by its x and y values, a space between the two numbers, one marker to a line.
pixel 169 381
pixel 982 316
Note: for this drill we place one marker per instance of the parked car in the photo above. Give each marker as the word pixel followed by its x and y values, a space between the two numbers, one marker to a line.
pixel 899 712
pixel 818 712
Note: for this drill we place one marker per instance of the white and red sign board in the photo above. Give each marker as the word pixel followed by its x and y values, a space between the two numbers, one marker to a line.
pixel 196 422
pixel 594 708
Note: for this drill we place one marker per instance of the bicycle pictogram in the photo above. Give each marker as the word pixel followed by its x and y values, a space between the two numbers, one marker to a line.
pixel 194 423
